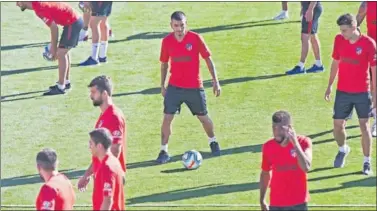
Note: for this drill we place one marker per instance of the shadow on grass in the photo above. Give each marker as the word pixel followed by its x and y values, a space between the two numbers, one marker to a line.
pixel 365 182
pixel 29 70
pixel 30 45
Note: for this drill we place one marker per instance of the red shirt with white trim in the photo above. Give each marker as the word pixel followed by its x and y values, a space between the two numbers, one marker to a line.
pixel 59 12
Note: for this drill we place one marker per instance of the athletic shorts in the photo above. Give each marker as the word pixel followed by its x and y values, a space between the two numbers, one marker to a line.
pixel 300 207
pixel 70 36
pixel 311 27
pixel 195 99
pixel 345 102
pixel 101 8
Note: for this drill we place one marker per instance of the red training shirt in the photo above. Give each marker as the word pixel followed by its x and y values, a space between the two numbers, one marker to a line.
pixel 59 12
pixel 289 182
pixel 372 19
pixel 113 120
pixel 109 182
pixel 184 59
pixel 56 194
pixel 354 63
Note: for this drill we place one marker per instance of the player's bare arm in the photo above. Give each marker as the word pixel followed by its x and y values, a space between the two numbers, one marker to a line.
pixel 107 203
pixel 373 90
pixel 164 72
pixel 84 180
pixel 333 74
pixel 54 39
pixel 115 149
pixel 361 13
pixel 215 80
pixel 264 181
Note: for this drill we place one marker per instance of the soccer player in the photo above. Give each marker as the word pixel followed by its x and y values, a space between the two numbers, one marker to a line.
pixel 182 48
pixel 57 193
pixel 353 55
pixel 108 192
pixel 100 10
pixel 111 118
pixel 311 11
pixel 369 9
pixel 54 14
pixel 286 159
pixel 284 13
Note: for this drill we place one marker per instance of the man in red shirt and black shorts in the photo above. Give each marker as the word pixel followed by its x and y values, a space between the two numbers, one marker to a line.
pixel 183 48
pixel 369 9
pixel 111 118
pixel 353 55
pixel 54 14
pixel 108 192
pixel 286 159
pixel 57 193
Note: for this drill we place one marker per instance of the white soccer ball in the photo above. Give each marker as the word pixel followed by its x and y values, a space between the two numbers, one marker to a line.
pixel 46 53
pixel 192 159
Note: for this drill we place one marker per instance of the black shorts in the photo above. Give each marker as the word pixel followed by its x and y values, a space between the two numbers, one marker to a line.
pixel 311 27
pixel 300 207
pixel 70 36
pixel 195 99
pixel 101 8
pixel 345 102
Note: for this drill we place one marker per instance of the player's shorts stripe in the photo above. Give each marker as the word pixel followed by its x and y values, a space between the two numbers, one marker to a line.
pixel 310 23
pixel 69 34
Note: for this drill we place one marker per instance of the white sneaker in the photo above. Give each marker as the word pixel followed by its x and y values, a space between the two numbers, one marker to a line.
pixel 282 15
pixel 83 35
pixel 373 129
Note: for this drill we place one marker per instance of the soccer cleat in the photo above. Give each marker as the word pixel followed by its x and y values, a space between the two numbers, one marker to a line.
pixel 89 62
pixel 366 169
pixel 295 70
pixel 67 86
pixel 282 15
pixel 54 90
pixel 102 60
pixel 215 148
pixel 163 157
pixel 315 69
pixel 373 129
pixel 340 158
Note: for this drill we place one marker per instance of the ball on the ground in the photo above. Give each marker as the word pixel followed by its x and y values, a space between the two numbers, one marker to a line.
pixel 46 53
pixel 192 159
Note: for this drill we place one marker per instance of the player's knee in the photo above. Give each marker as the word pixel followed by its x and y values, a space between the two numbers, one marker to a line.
pixel 204 119
pixel 168 118
pixel 305 37
pixel 364 125
pixel 339 125
pixel 62 53
pixel 104 25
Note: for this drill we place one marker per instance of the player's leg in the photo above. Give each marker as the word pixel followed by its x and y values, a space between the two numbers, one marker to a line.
pixel 318 66
pixel 104 41
pixel 172 105
pixel 67 81
pixel 195 99
pixel 363 104
pixel 342 111
pixel 284 13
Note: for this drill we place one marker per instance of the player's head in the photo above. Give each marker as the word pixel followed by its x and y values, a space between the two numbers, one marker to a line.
pixel 100 141
pixel 101 89
pixel 178 23
pixel 23 5
pixel 47 161
pixel 348 25
pixel 280 121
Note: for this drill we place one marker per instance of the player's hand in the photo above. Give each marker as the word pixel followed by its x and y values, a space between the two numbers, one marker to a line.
pixel 53 52
pixel 163 91
pixel 83 183
pixel 264 206
pixel 291 134
pixel 328 93
pixel 216 88
pixel 309 15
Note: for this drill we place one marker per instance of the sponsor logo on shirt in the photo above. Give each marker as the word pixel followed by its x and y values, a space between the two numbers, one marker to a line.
pixel 46 205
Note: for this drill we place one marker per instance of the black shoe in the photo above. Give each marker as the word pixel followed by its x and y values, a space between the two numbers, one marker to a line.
pixel 215 148
pixel 366 169
pixel 67 86
pixel 163 157
pixel 54 90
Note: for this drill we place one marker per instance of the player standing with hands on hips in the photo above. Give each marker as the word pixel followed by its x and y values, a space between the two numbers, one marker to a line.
pixel 182 48
pixel 288 158
pixel 353 55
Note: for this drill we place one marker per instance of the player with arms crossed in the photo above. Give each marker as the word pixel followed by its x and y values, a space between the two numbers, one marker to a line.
pixel 108 192
pixel 353 55
pixel 182 49
pixel 54 14
pixel 286 159
pixel 369 9
pixel 111 118
pixel 99 25
pixel 57 193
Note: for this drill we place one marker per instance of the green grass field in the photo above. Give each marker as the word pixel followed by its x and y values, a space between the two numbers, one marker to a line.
pixel 250 52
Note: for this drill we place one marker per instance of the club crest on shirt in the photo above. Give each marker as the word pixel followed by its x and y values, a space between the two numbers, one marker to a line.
pixel 189 46
pixel 46 205
pixel 293 153
pixel 359 50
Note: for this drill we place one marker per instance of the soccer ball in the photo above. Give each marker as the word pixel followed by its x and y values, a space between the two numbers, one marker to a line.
pixel 46 53
pixel 192 159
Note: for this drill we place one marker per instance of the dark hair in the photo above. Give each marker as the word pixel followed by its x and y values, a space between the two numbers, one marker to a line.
pixel 178 16
pixel 282 117
pixel 103 83
pixel 47 159
pixel 347 19
pixel 101 136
